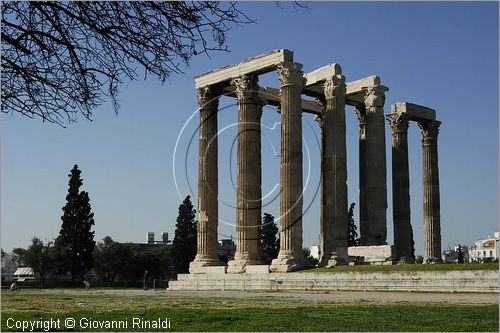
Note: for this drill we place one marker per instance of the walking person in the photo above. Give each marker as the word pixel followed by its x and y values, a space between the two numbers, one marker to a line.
pixel 146 276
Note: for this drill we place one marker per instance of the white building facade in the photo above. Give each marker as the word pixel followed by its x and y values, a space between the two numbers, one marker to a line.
pixel 485 250
pixel 9 267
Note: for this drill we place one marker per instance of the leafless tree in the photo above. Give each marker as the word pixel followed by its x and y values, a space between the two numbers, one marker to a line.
pixel 63 59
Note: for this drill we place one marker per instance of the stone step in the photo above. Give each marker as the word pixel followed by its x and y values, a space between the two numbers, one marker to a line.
pixel 473 281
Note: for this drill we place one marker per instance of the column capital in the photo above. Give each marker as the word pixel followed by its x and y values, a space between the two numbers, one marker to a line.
pixel 398 122
pixel 290 73
pixel 374 96
pixel 320 117
pixel 334 86
pixel 246 86
pixel 429 131
pixel 206 95
pixel 360 114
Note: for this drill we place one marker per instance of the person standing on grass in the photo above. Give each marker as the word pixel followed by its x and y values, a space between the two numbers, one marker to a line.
pixel 146 276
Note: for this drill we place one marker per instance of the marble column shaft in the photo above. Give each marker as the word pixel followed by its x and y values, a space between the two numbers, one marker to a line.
pixel 207 182
pixel 403 235
pixel 374 229
pixel 249 187
pixel 290 256
pixel 432 220
pixel 361 115
pixel 334 230
pixel 325 196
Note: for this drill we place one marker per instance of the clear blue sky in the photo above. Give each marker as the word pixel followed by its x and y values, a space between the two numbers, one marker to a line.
pixel 441 55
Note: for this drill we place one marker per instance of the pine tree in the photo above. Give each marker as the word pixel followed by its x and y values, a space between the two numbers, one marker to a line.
pixel 184 244
pixel 352 232
pixel 270 244
pixel 75 242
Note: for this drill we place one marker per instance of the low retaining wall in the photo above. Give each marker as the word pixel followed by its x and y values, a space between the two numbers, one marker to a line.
pixel 437 281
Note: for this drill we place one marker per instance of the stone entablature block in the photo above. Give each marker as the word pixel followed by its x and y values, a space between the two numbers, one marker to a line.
pixel 260 64
pixel 414 111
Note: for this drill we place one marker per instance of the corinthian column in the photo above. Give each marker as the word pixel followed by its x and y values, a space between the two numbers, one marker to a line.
pixel 334 231
pixel 325 187
pixel 432 222
pixel 374 229
pixel 403 235
pixel 208 214
pixel 248 191
pixel 361 115
pixel 290 256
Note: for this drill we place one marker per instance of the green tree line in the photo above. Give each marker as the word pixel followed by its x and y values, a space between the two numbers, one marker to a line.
pixel 74 252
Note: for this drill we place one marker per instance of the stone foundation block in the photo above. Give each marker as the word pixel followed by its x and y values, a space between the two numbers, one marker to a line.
pixel 257 269
pixel 195 269
pixel 372 254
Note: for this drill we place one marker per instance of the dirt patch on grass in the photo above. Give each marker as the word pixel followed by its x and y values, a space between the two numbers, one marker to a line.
pixel 275 298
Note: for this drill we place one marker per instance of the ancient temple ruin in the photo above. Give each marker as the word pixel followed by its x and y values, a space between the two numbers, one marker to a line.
pixel 332 93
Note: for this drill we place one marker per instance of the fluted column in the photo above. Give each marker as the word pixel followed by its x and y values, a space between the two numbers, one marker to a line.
pixel 361 115
pixel 290 256
pixel 248 191
pixel 403 235
pixel 208 214
pixel 374 229
pixel 334 231
pixel 325 188
pixel 432 221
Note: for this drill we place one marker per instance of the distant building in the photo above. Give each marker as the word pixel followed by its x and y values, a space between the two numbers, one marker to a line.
pixel 150 237
pixel 226 248
pixel 485 250
pixel 9 267
pixel 24 273
pixel 152 244
pixel 451 255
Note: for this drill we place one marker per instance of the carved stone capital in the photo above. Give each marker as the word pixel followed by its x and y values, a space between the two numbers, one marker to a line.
pixel 320 117
pixel 321 103
pixel 361 115
pixel 290 73
pixel 246 86
pixel 398 122
pixel 335 87
pixel 429 131
pixel 375 96
pixel 207 95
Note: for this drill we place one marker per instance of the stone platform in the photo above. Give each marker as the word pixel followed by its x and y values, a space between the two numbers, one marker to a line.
pixel 436 281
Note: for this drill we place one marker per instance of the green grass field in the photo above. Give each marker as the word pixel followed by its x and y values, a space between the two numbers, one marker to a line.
pixel 192 313
pixel 405 267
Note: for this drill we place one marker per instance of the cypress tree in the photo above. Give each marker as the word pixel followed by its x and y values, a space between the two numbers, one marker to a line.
pixel 270 244
pixel 352 229
pixel 75 242
pixel 460 254
pixel 413 258
pixel 184 244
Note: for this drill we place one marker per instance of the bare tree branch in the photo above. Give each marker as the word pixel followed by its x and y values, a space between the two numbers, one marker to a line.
pixel 64 59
